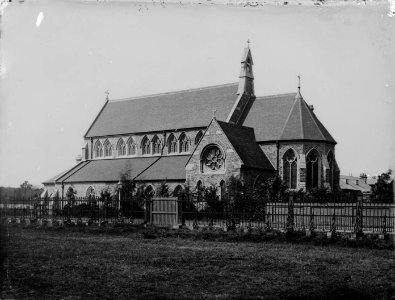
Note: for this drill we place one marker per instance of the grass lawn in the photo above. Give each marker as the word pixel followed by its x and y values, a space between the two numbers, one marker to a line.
pixel 61 264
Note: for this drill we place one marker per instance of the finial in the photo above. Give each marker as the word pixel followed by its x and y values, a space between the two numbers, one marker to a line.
pixel 299 82
pixel 248 43
pixel 107 93
pixel 214 111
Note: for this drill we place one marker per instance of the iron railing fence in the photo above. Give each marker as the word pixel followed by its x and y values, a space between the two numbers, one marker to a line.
pixel 84 208
pixel 321 213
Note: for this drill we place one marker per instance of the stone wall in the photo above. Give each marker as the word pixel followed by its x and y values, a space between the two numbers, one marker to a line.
pixel 214 135
pixel 82 188
pixel 301 150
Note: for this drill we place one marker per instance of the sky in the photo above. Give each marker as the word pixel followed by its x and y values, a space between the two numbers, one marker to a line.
pixel 59 58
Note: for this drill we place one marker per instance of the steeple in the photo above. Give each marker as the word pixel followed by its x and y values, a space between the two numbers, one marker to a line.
pixel 246 77
pixel 245 91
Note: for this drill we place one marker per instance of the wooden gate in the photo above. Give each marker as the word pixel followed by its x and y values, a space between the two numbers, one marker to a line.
pixel 164 211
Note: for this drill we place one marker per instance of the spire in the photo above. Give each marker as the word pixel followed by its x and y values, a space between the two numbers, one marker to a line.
pixel 246 76
pixel 298 94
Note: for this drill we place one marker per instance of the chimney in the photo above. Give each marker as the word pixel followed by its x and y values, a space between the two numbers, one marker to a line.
pixel 357 182
pixel 346 181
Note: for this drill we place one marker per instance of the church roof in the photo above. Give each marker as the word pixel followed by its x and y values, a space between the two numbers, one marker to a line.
pixel 285 117
pixel 139 168
pixel 243 141
pixel 168 111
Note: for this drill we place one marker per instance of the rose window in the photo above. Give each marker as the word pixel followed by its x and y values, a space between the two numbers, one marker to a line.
pixel 213 158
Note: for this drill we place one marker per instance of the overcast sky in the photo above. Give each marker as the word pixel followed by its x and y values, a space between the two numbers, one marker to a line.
pixel 55 74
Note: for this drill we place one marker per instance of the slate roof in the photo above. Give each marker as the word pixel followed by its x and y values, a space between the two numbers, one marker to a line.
pixel 139 168
pixel 285 117
pixel 169 111
pixel 350 183
pixel 58 177
pixel 243 141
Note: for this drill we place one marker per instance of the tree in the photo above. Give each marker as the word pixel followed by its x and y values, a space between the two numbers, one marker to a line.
pixel 163 190
pixel 382 189
pixel 26 187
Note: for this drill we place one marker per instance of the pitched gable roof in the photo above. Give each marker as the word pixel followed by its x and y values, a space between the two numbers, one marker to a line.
pixel 354 183
pixel 243 141
pixel 285 117
pixel 167 111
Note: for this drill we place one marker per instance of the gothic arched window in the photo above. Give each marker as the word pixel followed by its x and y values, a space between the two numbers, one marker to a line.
pixel 222 189
pixel 177 191
pixel 290 169
pixel 171 144
pixel 184 145
pixel 98 149
pixel 131 147
pixel 107 148
pixel 312 161
pixel 156 145
pixel 90 192
pixel 149 191
pixel 146 146
pixel 198 137
pixel 121 147
pixel 331 162
pixel 212 159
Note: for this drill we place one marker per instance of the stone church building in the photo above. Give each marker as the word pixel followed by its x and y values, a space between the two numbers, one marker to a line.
pixel 204 136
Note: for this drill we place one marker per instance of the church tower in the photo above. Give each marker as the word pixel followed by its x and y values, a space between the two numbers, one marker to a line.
pixel 245 91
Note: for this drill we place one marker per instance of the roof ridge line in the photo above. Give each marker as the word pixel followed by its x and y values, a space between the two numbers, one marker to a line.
pixel 274 96
pixel 301 118
pixel 173 92
pixel 286 121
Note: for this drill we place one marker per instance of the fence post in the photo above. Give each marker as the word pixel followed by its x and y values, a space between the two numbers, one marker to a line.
pixel 290 216
pixel 358 228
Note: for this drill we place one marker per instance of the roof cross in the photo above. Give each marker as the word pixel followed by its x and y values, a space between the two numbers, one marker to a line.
pixel 248 43
pixel 107 93
pixel 214 111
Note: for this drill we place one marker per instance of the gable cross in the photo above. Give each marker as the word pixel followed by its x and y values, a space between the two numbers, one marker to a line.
pixel 107 93
pixel 214 111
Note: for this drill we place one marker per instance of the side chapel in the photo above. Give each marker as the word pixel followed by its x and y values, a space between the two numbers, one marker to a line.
pixel 204 136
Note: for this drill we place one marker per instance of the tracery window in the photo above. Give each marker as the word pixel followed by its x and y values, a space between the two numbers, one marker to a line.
pixel 171 144
pixel 290 169
pixel 184 143
pixel 312 161
pixel 121 147
pixel 146 146
pixel 198 137
pixel 131 147
pixel 156 145
pixel 107 148
pixel 212 159
pixel 98 149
